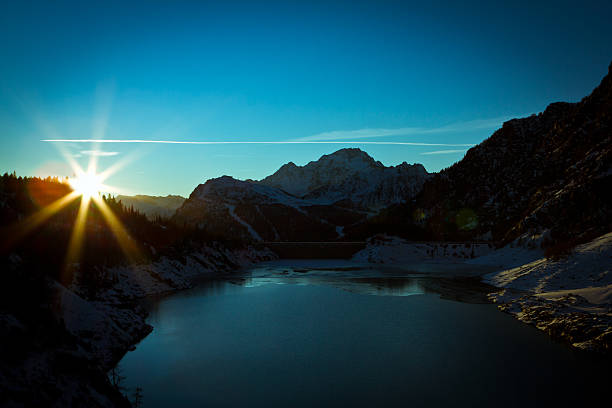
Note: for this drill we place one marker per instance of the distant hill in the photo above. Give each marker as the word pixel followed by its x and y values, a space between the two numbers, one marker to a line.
pixel 153 206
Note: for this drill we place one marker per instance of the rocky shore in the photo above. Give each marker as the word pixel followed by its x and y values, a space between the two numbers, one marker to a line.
pixel 570 318
pixel 570 298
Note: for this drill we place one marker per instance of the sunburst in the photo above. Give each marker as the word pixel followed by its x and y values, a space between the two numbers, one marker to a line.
pixel 86 185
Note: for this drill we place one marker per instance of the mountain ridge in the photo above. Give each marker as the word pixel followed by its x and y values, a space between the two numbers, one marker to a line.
pixel 350 176
pixel 341 189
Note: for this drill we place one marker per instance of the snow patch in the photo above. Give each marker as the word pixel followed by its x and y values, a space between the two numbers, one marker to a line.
pixel 251 230
pixel 393 250
pixel 590 265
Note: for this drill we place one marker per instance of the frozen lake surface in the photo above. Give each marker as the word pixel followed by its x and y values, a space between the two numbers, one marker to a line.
pixel 306 334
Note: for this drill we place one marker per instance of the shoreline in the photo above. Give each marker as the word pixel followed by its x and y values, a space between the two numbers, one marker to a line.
pixel 177 276
pixel 112 323
pixel 570 299
pixel 93 333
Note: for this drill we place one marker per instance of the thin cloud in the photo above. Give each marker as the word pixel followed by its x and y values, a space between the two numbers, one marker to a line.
pixel 361 134
pixel 98 153
pixel 466 126
pixel 191 142
pixel 445 152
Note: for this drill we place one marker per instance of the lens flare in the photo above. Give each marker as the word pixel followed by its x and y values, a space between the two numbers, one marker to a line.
pixel 87 184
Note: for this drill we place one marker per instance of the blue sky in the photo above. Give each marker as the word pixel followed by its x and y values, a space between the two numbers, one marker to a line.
pixel 437 73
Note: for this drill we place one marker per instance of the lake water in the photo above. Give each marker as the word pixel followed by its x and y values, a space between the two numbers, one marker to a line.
pixel 300 336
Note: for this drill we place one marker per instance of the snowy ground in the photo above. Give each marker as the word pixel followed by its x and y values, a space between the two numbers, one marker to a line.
pixel 385 249
pixel 588 270
pixel 109 327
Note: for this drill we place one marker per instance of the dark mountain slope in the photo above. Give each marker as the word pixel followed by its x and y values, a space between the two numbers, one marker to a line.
pixel 241 210
pixel 549 173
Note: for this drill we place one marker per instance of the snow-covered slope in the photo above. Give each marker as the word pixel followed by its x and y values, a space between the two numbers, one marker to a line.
pixel 350 176
pixel 568 298
pixel 234 191
pixel 242 210
pixel 587 270
pixel 392 250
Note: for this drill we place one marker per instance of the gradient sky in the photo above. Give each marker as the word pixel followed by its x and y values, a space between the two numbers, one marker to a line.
pixel 440 73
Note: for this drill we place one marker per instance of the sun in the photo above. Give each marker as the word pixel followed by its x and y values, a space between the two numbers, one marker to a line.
pixel 88 184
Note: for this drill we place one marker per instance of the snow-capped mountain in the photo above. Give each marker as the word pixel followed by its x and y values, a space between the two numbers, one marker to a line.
pixel 350 177
pixel 313 202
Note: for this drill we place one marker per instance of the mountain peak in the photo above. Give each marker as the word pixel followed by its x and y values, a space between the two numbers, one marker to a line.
pixel 348 174
pixel 351 154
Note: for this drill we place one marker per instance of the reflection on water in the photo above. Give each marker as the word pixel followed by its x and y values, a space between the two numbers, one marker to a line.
pixel 457 284
pixel 300 337
pixel 369 286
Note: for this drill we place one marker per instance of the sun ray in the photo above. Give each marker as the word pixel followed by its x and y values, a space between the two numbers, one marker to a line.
pixel 127 244
pixel 18 231
pixel 76 168
pixel 88 185
pixel 119 165
pixel 75 244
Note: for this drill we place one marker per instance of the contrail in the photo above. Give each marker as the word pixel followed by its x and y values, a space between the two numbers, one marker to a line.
pixel 444 152
pixel 248 142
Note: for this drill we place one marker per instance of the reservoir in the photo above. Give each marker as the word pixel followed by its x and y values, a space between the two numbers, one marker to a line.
pixel 297 334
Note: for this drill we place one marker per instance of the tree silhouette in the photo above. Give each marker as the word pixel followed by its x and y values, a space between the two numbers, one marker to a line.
pixel 137 397
pixel 116 379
